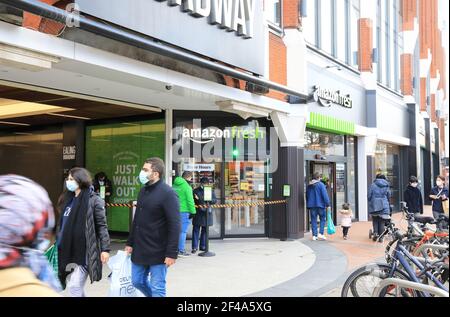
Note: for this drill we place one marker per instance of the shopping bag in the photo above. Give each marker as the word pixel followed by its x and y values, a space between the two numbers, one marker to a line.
pixel 445 207
pixel 331 229
pixel 52 257
pixel 121 286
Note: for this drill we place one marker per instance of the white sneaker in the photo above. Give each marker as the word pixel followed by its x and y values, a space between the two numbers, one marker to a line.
pixel 314 238
pixel 321 237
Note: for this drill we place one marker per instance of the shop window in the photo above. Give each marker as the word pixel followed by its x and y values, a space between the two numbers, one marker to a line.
pixel 387 157
pixel 325 143
pixel 119 150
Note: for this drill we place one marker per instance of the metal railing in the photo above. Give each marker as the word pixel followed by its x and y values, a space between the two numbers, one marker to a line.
pixel 410 285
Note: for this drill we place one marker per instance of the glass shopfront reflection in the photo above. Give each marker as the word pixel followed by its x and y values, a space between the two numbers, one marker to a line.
pixel 387 160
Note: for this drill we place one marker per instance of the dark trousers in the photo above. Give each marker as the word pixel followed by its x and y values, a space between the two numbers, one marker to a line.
pixel 195 237
pixel 378 225
pixel 345 230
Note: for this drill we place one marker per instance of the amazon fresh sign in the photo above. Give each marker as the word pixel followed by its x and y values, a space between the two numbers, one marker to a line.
pixel 230 15
pixel 210 134
pixel 228 31
pixel 327 97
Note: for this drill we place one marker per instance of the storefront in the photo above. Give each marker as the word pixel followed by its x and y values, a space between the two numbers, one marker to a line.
pixel 234 154
pixel 330 150
pixel 387 162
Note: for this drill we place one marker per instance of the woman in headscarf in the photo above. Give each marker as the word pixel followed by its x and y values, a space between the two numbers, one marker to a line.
pixel 26 221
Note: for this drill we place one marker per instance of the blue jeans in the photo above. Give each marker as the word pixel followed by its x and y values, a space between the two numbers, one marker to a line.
pixel 153 285
pixel 185 222
pixel 322 213
pixel 195 237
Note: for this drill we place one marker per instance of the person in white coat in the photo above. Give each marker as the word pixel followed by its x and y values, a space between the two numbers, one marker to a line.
pixel 346 219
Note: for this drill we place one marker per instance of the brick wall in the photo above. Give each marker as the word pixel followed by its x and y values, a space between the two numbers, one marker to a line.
pixel 277 63
pixel 365 45
pixel 290 14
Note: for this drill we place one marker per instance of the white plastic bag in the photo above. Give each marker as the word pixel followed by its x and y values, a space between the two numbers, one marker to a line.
pixel 121 286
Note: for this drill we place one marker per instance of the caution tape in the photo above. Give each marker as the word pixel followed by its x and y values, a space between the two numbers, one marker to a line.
pixel 244 204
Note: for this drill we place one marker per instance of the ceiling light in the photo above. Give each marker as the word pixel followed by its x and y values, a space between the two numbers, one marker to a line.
pixel 15 123
pixel 67 116
pixel 14 109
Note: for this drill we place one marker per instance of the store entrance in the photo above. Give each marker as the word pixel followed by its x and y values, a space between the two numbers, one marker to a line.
pixel 333 176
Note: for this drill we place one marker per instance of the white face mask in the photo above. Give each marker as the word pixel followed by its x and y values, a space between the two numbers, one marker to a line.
pixel 414 185
pixel 439 183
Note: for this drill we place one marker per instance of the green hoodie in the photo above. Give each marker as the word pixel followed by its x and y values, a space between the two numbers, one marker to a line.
pixel 185 194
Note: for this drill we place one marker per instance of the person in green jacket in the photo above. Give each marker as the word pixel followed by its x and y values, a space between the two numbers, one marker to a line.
pixel 187 207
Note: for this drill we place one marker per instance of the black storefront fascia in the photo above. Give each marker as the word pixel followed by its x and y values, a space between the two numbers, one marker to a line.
pixel 288 172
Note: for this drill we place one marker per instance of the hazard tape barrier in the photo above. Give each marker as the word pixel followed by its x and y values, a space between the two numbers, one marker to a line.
pixel 244 204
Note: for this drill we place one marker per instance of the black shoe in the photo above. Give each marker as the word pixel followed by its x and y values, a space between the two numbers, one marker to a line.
pixel 194 251
pixel 375 237
pixel 202 249
pixel 381 240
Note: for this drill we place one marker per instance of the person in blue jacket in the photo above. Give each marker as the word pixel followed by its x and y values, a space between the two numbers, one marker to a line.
pixel 379 204
pixel 317 201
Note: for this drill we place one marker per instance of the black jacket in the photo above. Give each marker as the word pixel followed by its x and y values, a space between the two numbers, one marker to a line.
pixel 200 216
pixel 413 199
pixel 156 225
pixel 437 203
pixel 96 238
pixel 108 187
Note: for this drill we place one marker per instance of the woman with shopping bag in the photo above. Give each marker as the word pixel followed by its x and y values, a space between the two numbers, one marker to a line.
pixel 82 239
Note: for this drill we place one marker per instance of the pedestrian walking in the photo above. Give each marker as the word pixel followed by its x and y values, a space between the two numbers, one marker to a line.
pixel 379 207
pixel 346 219
pixel 182 187
pixel 153 240
pixel 413 196
pixel 317 201
pixel 199 222
pixel 439 197
pixel 26 223
pixel 82 239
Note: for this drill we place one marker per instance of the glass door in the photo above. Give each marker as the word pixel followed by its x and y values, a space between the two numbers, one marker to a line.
pixel 244 183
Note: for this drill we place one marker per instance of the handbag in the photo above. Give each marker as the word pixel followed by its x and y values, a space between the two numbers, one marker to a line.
pixel 445 207
pixel 331 229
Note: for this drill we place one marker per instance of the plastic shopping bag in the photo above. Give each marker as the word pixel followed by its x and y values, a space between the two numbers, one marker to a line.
pixel 331 229
pixel 52 257
pixel 121 286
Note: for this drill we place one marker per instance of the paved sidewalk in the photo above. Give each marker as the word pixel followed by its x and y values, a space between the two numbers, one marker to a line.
pixel 269 267
pixel 240 267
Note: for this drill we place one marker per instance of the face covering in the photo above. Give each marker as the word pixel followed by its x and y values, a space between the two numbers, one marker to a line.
pixel 414 185
pixel 71 185
pixel 439 183
pixel 143 177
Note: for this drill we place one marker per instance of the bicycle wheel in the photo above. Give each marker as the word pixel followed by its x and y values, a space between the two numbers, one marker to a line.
pixel 363 281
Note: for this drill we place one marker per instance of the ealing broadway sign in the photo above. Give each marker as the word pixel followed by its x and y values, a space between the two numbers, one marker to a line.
pixel 228 31
pixel 231 15
pixel 326 98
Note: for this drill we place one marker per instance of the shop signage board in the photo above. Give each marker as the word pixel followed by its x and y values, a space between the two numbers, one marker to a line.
pixel 327 97
pixel 199 167
pixel 69 152
pixel 225 30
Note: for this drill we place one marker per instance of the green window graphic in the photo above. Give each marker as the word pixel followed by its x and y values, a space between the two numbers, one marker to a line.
pixel 119 150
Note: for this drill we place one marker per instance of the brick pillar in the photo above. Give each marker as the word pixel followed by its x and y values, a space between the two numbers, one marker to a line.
pixel 277 64
pixel 365 45
pixel 291 14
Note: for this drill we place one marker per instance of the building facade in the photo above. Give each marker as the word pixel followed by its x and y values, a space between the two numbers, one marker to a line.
pixel 254 95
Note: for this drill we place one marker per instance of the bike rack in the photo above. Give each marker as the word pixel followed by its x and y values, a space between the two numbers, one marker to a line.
pixel 408 284
pixel 431 246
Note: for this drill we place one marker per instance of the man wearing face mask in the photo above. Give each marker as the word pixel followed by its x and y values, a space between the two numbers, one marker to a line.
pixel 26 218
pixel 153 239
pixel 438 195
pixel 413 196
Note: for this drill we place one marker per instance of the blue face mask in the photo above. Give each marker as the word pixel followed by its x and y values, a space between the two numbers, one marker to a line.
pixel 71 185
pixel 143 177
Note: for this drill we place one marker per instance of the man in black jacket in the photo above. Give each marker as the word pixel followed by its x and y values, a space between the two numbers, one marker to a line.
pixel 153 240
pixel 413 196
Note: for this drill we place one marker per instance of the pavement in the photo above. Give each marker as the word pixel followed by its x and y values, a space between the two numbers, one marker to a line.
pixel 269 267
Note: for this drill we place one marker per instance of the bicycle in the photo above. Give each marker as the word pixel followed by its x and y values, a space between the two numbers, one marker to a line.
pixel 400 267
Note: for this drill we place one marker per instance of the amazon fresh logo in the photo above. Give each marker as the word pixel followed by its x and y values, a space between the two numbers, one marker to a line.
pixel 326 98
pixel 208 135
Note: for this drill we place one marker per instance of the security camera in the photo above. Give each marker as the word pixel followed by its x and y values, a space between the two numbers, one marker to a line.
pixel 169 86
